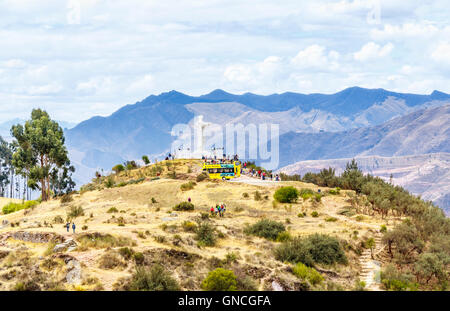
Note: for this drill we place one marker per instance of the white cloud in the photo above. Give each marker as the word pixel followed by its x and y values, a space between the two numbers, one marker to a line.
pixel 441 54
pixel 371 51
pixel 315 56
pixel 123 51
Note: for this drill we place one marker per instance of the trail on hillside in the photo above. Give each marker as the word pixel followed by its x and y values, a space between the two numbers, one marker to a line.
pixel 370 268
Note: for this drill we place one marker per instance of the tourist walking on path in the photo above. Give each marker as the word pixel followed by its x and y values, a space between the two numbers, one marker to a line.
pixel 73 227
pixel 68 226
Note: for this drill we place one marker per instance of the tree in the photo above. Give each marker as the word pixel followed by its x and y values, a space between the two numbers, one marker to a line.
pixel 40 152
pixel 145 159
pixel 370 244
pixel 5 165
pixel 118 168
pixel 352 177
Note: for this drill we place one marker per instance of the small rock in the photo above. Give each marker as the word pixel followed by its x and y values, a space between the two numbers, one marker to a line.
pixel 74 274
pixel 173 215
pixel 276 287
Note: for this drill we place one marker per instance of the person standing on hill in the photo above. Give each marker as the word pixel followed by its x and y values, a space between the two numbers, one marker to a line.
pixel 73 227
pixel 68 226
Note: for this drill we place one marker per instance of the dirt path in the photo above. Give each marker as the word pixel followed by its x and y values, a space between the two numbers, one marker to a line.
pixel 371 268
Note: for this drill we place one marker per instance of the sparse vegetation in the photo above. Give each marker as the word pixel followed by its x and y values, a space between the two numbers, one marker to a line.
pixel 316 248
pixel 12 207
pixel 154 279
pixel 220 280
pixel 286 195
pixel 184 206
pixel 266 228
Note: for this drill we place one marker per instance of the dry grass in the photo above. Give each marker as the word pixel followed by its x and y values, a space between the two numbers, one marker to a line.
pixel 152 217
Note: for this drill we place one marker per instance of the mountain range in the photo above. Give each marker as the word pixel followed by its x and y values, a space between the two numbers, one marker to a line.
pixel 355 122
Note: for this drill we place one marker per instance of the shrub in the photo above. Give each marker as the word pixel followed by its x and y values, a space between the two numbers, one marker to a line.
pixel 257 196
pixel 392 279
pixel 283 236
pixel 314 214
pixel 109 183
pixel 245 195
pixel 220 280
pixel 286 195
pixel 188 186
pixel 110 260
pixel 316 248
pixel 58 219
pixel 335 191
pixel 145 159
pixel 189 226
pixel 139 258
pixel 201 177
pixel 154 200
pixel 206 235
pixel 75 212
pixel 100 240
pixel 331 219
pixel 307 273
pixel 126 252
pixel 118 168
pixel 66 198
pixel 112 210
pixel 12 207
pixel 154 279
pixel 383 229
pixel 85 227
pixel 266 228
pixel 305 194
pixel 184 206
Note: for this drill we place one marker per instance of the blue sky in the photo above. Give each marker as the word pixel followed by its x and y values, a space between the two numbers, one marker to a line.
pixel 79 58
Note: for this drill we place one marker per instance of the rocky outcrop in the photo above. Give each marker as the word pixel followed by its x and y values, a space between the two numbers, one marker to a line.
pixel 68 245
pixel 34 237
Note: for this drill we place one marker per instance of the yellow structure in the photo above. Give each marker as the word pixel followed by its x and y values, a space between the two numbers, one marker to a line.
pixel 222 170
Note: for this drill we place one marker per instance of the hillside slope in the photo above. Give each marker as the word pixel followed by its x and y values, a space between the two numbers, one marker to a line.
pixel 137 212
pixel 426 175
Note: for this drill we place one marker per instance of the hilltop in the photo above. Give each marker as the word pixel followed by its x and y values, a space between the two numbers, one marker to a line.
pixel 134 209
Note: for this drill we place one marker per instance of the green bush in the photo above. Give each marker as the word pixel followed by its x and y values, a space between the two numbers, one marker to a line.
pixel 118 168
pixel 112 210
pixel 220 280
pixel 12 207
pixel 305 194
pixel 266 228
pixel 314 214
pixel 283 236
pixel 331 219
pixel 184 206
pixel 206 235
pixel 154 279
pixel 392 279
pixel 286 194
pixel 109 182
pixel 188 186
pixel 316 248
pixel 307 273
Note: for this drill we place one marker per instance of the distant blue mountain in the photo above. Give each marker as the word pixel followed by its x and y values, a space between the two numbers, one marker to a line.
pixel 144 127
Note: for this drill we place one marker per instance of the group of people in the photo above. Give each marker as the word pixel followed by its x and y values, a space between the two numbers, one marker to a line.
pixel 225 159
pixel 219 209
pixel 68 227
pixel 263 175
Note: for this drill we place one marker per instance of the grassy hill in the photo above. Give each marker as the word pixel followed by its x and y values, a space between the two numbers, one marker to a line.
pixel 127 220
